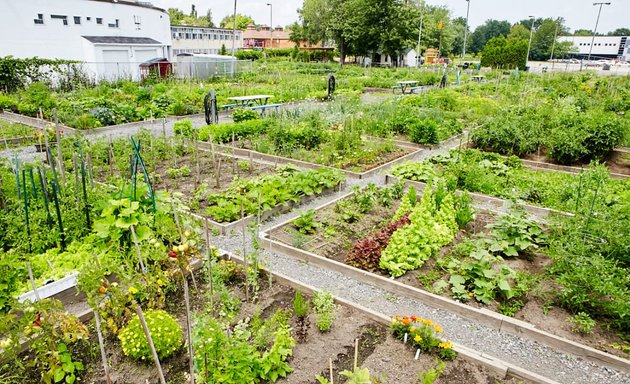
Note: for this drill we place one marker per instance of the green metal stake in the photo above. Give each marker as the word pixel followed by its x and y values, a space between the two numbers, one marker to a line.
pixel 17 176
pixel 28 226
pixel 85 199
pixel 54 170
pixel 45 196
pixel 136 148
pixel 56 200
pixel 30 173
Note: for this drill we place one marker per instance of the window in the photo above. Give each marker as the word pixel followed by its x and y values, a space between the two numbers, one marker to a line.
pixel 137 21
pixel 40 19
pixel 88 18
pixel 99 20
pixel 64 19
pixel 77 20
pixel 113 25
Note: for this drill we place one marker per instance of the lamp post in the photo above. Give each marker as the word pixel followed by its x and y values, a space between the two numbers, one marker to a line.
pixel 271 23
pixel 553 46
pixel 466 30
pixel 590 49
pixel 418 60
pixel 234 40
pixel 529 46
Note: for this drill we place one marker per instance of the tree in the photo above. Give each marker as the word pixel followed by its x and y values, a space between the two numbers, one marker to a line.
pixel 584 32
pixel 543 40
pixel 223 50
pixel 488 30
pixel 175 15
pixel 459 27
pixel 519 32
pixel 193 11
pixel 242 21
pixel 500 52
pixel 620 32
pixel 209 18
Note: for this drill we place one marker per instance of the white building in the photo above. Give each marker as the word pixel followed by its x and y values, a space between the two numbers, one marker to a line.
pixel 201 40
pixel 111 36
pixel 604 47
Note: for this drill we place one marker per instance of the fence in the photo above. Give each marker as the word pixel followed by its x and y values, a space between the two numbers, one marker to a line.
pixel 113 71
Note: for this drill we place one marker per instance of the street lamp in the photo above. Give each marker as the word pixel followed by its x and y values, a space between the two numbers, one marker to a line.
pixel 466 30
pixel 553 47
pixel 529 46
pixel 271 22
pixel 234 41
pixel 419 57
pixel 590 49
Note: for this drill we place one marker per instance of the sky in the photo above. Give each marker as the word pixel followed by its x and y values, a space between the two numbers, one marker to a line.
pixel 579 14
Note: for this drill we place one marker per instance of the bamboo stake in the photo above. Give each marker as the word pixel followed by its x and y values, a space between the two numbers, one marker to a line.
pixel 331 371
pixel 209 250
pixel 147 333
pixel 111 157
pixel 62 170
pixel 135 241
pixel 30 277
pixel 356 353
pixel 58 210
pixel 90 169
pixel 101 345
pixel 191 352
pixel 245 254
pixel 28 224
pixel 218 175
pixel 30 173
pixel 179 227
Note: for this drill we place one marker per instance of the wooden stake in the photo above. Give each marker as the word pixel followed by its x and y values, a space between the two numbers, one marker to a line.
pixel 111 157
pixel 218 174
pixel 101 345
pixel 245 253
pixel 156 359
pixel 209 265
pixel 90 169
pixel 75 165
pixel 331 371
pixel 356 353
pixel 59 153
pixel 179 227
pixel 191 352
pixel 30 276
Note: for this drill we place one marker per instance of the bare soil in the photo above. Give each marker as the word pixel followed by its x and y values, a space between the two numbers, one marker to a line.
pixel 386 357
pixel 537 310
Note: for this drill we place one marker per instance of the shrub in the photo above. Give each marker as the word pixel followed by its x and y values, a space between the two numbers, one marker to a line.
pixel 424 131
pixel 582 323
pixel 244 115
pixel 324 309
pixel 248 54
pixel 183 128
pixel 165 332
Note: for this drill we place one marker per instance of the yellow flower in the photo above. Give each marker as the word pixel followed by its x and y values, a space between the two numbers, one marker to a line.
pixel 133 290
pixel 446 345
pixel 160 282
pixel 412 329
pixel 417 339
pixel 261 267
pixel 437 328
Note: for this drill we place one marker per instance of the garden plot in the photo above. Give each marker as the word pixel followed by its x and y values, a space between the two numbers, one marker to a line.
pixel 15 134
pixel 485 259
pixel 226 189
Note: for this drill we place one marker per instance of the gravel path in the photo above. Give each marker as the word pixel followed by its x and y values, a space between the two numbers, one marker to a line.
pixel 519 351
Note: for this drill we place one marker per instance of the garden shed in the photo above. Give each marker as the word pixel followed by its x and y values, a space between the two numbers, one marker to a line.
pixel 158 67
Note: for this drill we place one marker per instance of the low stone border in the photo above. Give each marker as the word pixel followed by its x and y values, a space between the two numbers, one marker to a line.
pixel 32 121
pixel 482 315
pixel 273 159
pixel 501 205
pixel 544 166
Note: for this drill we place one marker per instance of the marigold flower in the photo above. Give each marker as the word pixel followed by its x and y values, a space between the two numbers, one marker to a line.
pixel 417 339
pixel 406 321
pixel 133 290
pixel 446 345
pixel 437 328
pixel 412 329
pixel 414 318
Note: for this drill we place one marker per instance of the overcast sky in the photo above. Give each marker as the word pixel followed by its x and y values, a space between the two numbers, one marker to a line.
pixel 579 14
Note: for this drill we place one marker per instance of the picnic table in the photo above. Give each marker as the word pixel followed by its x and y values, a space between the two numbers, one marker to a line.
pixel 477 78
pixel 246 101
pixel 406 85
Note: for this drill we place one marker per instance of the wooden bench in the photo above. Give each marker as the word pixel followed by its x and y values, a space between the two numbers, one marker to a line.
pixel 236 105
pixel 263 108
pixel 395 87
pixel 420 88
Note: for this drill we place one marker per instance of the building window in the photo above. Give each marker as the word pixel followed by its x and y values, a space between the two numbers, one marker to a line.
pixel 99 20
pixel 64 19
pixel 113 25
pixel 137 21
pixel 88 18
pixel 77 20
pixel 40 19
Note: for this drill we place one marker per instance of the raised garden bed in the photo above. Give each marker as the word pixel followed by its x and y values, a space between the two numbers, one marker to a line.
pixel 331 241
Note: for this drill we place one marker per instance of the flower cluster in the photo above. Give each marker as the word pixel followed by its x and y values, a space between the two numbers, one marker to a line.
pixel 423 335
pixel 165 332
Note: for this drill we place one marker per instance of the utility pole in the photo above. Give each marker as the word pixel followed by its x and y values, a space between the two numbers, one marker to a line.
pixel 466 30
pixel 419 59
pixel 271 24
pixel 553 46
pixel 234 41
pixel 529 46
pixel 590 49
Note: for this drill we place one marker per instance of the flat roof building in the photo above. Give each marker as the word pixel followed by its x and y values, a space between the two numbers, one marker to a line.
pixel 604 47
pixel 202 40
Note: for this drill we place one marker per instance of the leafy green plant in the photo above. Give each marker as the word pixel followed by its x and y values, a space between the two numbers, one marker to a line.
pixel 358 376
pixel 324 309
pixel 165 332
pixel 582 323
pixel 464 211
pixel 513 234
pixel 432 373
pixel 244 115
pixel 305 223
pixel 481 277
pixel 183 128
pixel 182 171
pixel 300 305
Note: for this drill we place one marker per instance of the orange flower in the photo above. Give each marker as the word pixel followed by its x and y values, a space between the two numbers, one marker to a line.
pixel 406 321
pixel 414 318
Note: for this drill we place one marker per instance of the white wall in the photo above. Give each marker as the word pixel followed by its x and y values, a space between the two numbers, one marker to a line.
pixel 22 37
pixel 603 45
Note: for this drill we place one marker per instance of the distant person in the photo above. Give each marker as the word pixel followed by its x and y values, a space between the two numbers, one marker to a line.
pixel 444 80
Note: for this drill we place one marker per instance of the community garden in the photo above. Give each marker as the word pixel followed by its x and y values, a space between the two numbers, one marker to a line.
pixel 150 257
